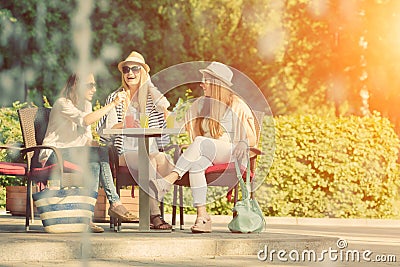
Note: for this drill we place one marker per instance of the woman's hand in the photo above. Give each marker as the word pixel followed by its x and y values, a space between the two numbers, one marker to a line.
pixel 94 143
pixel 120 97
pixel 166 113
pixel 241 150
pixel 136 124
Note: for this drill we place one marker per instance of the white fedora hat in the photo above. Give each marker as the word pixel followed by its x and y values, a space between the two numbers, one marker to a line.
pixel 219 71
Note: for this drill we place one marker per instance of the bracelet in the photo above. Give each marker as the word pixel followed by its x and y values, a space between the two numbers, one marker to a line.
pixel 243 141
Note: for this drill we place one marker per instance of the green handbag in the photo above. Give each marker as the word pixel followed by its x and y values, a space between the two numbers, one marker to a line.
pixel 249 217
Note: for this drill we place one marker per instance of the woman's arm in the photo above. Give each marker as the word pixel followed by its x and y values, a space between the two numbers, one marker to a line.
pixel 160 101
pixel 245 129
pixel 96 115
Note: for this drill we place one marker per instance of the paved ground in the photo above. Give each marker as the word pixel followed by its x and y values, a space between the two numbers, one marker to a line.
pixel 221 248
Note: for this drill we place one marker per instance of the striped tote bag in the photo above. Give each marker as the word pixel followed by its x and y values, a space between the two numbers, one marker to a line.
pixel 65 210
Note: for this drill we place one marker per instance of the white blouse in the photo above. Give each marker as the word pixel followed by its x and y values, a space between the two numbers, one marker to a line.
pixel 66 127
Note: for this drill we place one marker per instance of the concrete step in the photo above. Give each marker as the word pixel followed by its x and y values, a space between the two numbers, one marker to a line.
pixel 129 244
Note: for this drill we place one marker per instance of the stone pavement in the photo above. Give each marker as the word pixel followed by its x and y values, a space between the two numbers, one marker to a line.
pixel 177 248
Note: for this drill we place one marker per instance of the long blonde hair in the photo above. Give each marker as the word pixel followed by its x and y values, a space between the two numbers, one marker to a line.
pixel 214 108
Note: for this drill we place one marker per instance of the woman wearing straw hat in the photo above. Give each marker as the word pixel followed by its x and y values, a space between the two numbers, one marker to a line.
pixel 221 127
pixel 142 98
pixel 69 129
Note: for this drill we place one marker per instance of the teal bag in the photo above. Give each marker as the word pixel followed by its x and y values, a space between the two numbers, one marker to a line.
pixel 249 217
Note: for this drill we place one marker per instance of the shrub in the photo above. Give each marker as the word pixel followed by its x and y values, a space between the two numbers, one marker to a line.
pixel 10 135
pixel 331 167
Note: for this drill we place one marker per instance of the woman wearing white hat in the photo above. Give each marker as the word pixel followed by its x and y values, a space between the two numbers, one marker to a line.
pixel 222 128
pixel 142 97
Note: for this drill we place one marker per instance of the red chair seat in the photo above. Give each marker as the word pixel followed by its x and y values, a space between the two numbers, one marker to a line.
pixel 11 168
pixel 44 172
pixel 225 167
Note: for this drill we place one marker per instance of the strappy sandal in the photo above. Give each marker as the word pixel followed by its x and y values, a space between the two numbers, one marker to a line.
pixel 122 213
pixel 157 223
pixel 202 225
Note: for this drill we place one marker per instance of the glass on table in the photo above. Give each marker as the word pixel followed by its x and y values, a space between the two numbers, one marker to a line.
pixel 171 120
pixel 144 120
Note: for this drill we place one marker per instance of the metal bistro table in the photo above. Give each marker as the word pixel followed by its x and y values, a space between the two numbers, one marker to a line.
pixel 143 135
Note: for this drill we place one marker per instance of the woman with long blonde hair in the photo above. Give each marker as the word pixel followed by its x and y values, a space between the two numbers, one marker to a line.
pixel 142 97
pixel 222 127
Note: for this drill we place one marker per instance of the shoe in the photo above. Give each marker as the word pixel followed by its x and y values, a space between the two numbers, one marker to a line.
pixel 202 225
pixel 159 187
pixel 122 213
pixel 95 228
pixel 157 223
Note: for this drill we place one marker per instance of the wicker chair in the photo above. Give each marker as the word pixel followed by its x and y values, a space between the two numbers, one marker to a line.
pixel 223 175
pixel 33 122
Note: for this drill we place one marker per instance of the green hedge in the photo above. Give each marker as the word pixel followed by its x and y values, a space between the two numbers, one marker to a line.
pixel 331 167
pixel 10 134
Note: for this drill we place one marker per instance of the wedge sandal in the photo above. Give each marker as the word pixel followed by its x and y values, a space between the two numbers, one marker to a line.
pixel 122 213
pixel 202 225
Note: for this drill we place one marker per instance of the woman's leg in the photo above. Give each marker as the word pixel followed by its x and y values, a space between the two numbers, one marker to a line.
pixel 80 157
pixel 105 176
pixel 200 155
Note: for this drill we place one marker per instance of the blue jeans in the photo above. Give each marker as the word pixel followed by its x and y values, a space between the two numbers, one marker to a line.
pixel 96 167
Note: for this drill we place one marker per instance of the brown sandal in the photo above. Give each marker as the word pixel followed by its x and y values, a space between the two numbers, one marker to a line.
pixel 157 223
pixel 122 213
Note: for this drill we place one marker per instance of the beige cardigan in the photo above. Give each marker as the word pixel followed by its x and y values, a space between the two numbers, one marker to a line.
pixel 243 121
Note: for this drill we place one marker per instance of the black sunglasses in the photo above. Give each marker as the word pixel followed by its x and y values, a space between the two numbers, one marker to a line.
pixel 134 69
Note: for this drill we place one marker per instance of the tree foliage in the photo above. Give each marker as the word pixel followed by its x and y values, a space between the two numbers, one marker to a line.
pixel 304 55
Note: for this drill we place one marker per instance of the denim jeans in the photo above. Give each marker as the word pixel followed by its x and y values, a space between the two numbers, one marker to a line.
pixel 96 167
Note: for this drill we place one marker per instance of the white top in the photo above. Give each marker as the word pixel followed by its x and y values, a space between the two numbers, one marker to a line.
pixel 66 127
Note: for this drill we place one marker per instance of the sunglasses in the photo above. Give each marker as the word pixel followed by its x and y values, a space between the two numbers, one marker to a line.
pixel 207 80
pixel 91 85
pixel 134 69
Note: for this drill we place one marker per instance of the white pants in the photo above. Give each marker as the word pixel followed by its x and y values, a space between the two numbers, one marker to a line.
pixel 200 155
pixel 160 166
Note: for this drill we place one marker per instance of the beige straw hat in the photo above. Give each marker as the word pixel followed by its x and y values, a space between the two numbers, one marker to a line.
pixel 134 57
